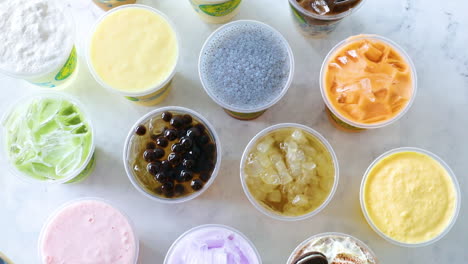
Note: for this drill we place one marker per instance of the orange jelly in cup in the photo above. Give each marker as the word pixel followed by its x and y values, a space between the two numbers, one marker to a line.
pixel 367 82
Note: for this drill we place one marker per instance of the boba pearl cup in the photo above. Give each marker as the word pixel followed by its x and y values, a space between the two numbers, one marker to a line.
pixel 340 121
pixel 127 152
pixel 63 71
pixel 216 11
pixel 265 132
pixel 153 95
pixel 314 25
pixel 80 173
pixel 77 201
pixel 109 4
pixel 444 165
pixel 240 113
pixel 299 251
pixel 174 246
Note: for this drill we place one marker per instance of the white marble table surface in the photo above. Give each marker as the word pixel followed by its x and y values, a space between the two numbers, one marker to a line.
pixel 434 33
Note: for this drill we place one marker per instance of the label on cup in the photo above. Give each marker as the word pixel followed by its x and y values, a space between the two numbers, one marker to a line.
pixel 216 10
pixel 59 76
pixel 152 98
pixel 312 26
pixel 340 124
pixel 109 4
pixel 244 116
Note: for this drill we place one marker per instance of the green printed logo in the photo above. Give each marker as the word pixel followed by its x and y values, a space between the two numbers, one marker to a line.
pixel 222 9
pixel 69 67
pixel 298 17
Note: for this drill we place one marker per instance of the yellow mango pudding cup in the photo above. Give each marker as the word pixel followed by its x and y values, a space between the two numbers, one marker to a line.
pixel 133 50
pixel 289 172
pixel 367 82
pixel 109 4
pixel 216 11
pixel 410 197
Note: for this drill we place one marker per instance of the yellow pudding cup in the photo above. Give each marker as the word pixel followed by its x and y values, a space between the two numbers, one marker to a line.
pixel 336 115
pixel 216 11
pixel 408 190
pixel 324 147
pixel 109 4
pixel 158 75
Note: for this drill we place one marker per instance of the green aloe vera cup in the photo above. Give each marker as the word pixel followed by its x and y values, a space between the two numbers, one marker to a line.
pixel 48 137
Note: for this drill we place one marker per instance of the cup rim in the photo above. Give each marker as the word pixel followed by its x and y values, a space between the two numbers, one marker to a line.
pixel 329 17
pixel 85 199
pixel 189 197
pixel 311 132
pixel 154 87
pixel 285 87
pixel 397 48
pixel 194 229
pixel 68 16
pixel 326 234
pixel 46 93
pixel 452 177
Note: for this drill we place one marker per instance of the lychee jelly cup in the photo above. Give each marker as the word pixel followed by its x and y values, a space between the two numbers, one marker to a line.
pixel 320 139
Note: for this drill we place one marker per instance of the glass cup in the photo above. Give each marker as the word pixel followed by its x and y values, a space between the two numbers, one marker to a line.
pixel 304 247
pixel 66 67
pixel 77 201
pixel 127 154
pixel 174 246
pixel 338 119
pixel 216 11
pixel 314 25
pixel 235 112
pixel 77 175
pixel 151 96
pixel 312 133
pixel 454 181
pixel 109 4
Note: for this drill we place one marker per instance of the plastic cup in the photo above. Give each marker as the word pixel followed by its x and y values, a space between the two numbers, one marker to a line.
pixel 340 121
pixel 76 176
pixel 80 200
pixel 201 227
pixel 4 259
pixel 372 258
pixel 216 11
pixel 151 96
pixel 128 151
pixel 63 70
pixel 452 176
pixel 315 25
pixel 267 131
pixel 239 113
pixel 109 4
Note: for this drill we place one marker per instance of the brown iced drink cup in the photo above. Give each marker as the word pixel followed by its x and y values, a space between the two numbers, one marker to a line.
pixel 333 248
pixel 317 18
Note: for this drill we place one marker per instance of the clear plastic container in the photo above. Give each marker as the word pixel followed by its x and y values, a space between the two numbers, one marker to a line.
pixel 239 113
pixel 81 172
pixel 198 228
pixel 216 11
pixel 109 4
pixel 76 201
pixel 315 25
pixel 311 132
pixel 151 96
pixel 60 73
pixel 372 258
pixel 449 171
pixel 340 121
pixel 127 153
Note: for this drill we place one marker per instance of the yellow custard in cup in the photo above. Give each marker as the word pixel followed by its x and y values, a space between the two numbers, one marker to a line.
pixel 134 50
pixel 410 197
